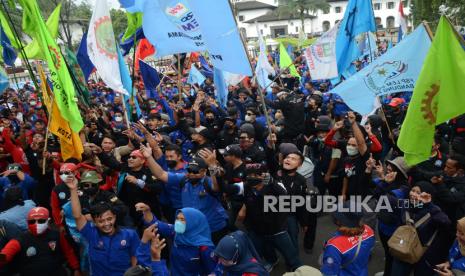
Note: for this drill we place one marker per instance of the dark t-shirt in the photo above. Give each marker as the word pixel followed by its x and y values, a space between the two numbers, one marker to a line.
pixel 354 169
pixel 231 176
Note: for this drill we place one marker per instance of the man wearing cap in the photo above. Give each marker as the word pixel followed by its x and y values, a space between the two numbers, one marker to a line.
pixel 14 176
pixel 136 183
pixel 266 229
pixel 197 189
pixel 202 138
pixel 252 152
pixel 395 114
pixel 40 250
pixel 251 118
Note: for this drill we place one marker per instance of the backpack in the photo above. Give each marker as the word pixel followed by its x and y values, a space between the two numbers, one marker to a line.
pixel 405 243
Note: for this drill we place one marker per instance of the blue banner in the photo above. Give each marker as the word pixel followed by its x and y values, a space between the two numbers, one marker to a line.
pixel 221 87
pixel 395 71
pixel 150 78
pixel 127 83
pixel 195 76
pixel 83 58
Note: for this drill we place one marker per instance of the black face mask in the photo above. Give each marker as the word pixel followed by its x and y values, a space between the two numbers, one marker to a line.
pixel 91 191
pixel 253 181
pixel 13 178
pixel 195 181
pixel 171 163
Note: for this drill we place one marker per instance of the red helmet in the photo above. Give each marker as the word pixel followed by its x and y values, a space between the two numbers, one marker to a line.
pixel 37 220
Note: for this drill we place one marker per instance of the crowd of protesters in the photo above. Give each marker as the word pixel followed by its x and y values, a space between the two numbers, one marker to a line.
pixel 180 188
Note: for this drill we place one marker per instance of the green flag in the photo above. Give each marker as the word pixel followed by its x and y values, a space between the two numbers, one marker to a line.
pixel 134 23
pixel 285 61
pixel 438 95
pixel 63 88
pixel 33 50
pixel 81 91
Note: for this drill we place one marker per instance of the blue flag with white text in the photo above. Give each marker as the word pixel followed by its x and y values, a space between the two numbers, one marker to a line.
pixel 395 71
pixel 185 26
pixel 358 18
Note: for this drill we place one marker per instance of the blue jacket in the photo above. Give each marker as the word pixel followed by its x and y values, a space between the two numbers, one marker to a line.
pixel 186 260
pixel 171 194
pixel 456 259
pixel 110 255
pixel 143 258
pixel 18 214
pixel 339 253
pixel 201 199
pixel 26 185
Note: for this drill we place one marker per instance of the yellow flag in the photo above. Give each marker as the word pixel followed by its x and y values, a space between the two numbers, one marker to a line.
pixel 70 142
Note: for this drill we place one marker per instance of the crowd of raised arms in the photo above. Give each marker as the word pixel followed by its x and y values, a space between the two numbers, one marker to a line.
pixel 180 188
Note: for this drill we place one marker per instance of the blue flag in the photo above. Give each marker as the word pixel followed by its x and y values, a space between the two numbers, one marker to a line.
pixel 9 53
pixel 150 78
pixel 400 34
pixel 129 43
pixel 358 19
pixel 195 76
pixel 221 87
pixel 127 83
pixel 185 26
pixel 83 58
pixel 395 71
pixel 4 81
pixel 206 69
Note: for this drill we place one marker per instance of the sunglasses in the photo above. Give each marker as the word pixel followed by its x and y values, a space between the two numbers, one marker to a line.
pixel 88 185
pixel 66 173
pixel 39 221
pixel 192 171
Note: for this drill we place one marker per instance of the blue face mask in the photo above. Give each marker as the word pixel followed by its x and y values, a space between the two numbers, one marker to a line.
pixel 179 227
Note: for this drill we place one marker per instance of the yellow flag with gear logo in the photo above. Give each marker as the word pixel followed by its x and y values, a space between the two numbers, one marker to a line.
pixel 70 142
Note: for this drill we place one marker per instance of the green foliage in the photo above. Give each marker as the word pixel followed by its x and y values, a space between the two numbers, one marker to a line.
pixel 431 10
pixel 119 20
pixel 301 8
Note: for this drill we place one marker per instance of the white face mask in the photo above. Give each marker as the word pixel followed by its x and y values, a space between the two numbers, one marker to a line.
pixel 248 118
pixel 118 119
pixel 63 177
pixel 33 103
pixel 351 150
pixel 41 228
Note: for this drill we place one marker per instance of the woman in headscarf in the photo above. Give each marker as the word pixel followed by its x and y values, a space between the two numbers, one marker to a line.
pixel 192 250
pixel 418 206
pixel 237 257
pixel 456 263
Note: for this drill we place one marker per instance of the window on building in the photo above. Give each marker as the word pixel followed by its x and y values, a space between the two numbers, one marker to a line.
pixel 326 26
pixel 379 23
pixel 261 31
pixel 390 5
pixel 241 18
pixel 326 11
pixel 405 4
pixel 390 22
pixel 296 29
pixel 337 9
pixel 377 6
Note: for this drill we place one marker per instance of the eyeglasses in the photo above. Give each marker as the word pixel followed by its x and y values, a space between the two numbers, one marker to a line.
pixel 39 221
pixel 192 171
pixel 66 173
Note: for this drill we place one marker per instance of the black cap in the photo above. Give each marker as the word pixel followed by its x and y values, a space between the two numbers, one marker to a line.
pixel 234 150
pixel 207 134
pixel 346 218
pixel 257 168
pixel 288 148
pixel 323 123
pixel 197 163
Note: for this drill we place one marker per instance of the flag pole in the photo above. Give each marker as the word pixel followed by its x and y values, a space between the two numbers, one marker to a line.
pixel 179 78
pixel 133 66
pixel 50 113
pixel 20 44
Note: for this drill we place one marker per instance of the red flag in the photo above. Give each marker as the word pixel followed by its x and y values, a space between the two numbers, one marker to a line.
pixel 144 50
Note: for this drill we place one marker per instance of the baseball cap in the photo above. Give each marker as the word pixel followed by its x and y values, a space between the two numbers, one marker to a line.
pixel 396 102
pixel 287 148
pixel 38 213
pixel 91 177
pixel 234 150
pixel 197 163
pixel 323 123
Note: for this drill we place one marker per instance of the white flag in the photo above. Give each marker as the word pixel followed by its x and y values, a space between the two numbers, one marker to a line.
pixel 321 56
pixel 101 47
pixel 263 67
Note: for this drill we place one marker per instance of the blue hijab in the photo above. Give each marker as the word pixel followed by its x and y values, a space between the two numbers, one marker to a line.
pixel 197 230
pixel 238 247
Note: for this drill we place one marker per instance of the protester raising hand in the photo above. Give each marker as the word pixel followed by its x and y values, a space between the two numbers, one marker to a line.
pixel 157 246
pixel 146 150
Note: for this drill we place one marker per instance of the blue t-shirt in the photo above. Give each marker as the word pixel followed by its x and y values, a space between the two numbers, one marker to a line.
pixel 456 259
pixel 110 255
pixel 199 198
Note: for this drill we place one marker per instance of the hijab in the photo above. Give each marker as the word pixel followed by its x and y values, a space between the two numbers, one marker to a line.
pixel 197 230
pixel 237 246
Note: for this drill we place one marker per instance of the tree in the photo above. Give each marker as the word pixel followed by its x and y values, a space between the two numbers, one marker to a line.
pixel 431 10
pixel 119 20
pixel 301 8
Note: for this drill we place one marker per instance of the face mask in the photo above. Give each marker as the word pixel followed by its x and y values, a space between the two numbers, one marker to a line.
pixel 351 150
pixel 63 177
pixel 91 191
pixel 248 118
pixel 118 119
pixel 210 120
pixel 179 227
pixel 33 103
pixel 194 181
pixel 13 179
pixel 37 228
pixel 253 181
pixel 171 163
